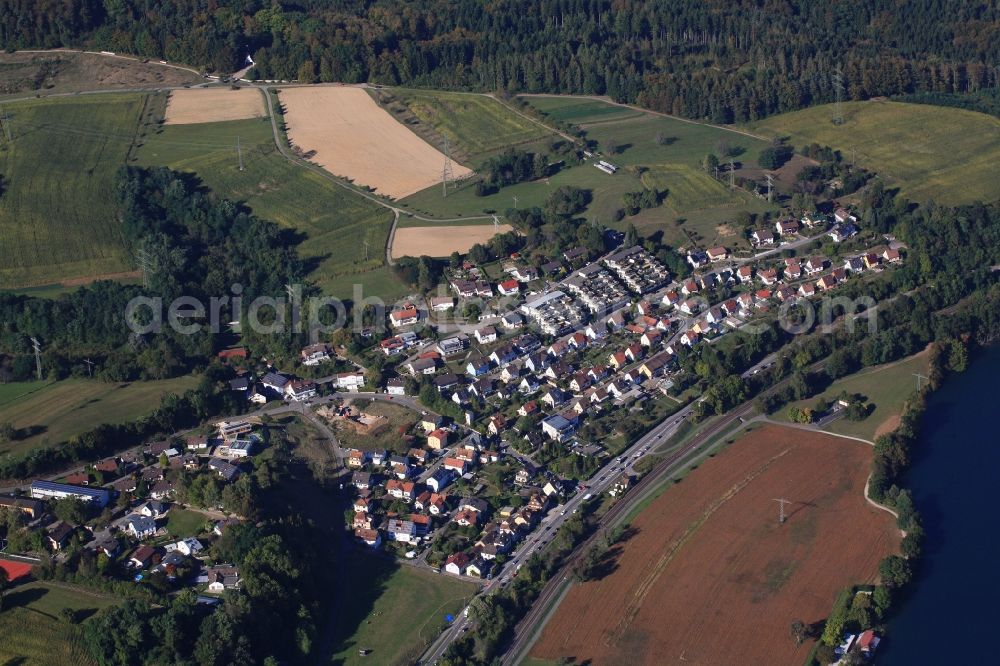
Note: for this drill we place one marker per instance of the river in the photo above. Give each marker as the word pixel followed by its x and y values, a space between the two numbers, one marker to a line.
pixel 949 613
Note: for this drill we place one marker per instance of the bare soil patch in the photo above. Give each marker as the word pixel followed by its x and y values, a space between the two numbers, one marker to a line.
pixel 710 577
pixel 344 131
pixel 211 105
pixel 442 241
pixel 887 426
pixel 66 71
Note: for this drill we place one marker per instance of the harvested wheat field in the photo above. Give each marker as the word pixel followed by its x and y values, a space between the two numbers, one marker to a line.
pixel 211 105
pixel 709 577
pixel 442 241
pixel 343 130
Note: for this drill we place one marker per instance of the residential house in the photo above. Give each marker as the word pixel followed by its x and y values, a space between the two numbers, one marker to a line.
pixel 762 237
pixel 457 564
pixel 396 386
pixel 486 335
pixel 30 507
pixel 512 321
pixel 222 577
pixel 422 366
pixel 189 547
pixel 300 390
pixel 142 557
pixel 786 227
pixel 558 427
pixel 744 274
pixel 274 382
pixel 441 303
pixel 807 289
pixel 718 253
pixel 438 439
pixel 768 276
pixel 58 534
pixel 477 367
pixel 162 489
pixel 139 526
pixel 891 256
pixel 371 538
pixel 401 530
pixel 697 258
pixel 361 480
pixel 446 381
pixel 405 317
pixel 440 479
pixel 226 470
pixel 503 356
pixel 400 489
pixel 509 288
pixel 793 269
pixel 315 354
pixel 455 465
pixel 154 509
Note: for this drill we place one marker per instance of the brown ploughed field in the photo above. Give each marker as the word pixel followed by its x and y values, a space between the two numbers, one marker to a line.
pixel 443 240
pixel 710 577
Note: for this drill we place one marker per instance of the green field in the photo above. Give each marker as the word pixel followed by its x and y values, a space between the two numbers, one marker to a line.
pixel 886 386
pixel 929 152
pixel 578 110
pixel 28 638
pixel 73 406
pixel 476 126
pixel 702 205
pixel 32 630
pixel 50 598
pixel 699 205
pixel 334 224
pixel 393 610
pixel 57 211
pixel 182 523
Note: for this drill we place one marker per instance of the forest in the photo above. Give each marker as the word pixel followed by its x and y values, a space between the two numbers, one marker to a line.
pixel 721 60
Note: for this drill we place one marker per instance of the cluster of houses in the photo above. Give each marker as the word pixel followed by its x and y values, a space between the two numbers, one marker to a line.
pixel 405 499
pixel 135 535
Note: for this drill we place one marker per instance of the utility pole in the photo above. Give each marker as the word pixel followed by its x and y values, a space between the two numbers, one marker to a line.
pixel 919 377
pixel 38 357
pixel 143 258
pixel 239 152
pixel 446 173
pixel 781 510
pixel 838 84
pixel 515 202
pixel 770 186
pixel 732 174
pixel 366 251
pixel 90 367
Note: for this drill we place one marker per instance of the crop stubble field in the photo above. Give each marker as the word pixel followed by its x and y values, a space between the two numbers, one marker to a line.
pixel 709 576
pixel 343 130
pixel 209 105
pixel 441 241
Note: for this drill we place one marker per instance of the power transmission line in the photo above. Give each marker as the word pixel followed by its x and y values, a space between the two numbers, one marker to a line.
pixel 90 367
pixel 770 186
pixel 239 153
pixel 781 510
pixel 144 266
pixel 38 357
pixel 446 173
pixel 838 84
pixel 732 174
pixel 919 377
pixel 6 126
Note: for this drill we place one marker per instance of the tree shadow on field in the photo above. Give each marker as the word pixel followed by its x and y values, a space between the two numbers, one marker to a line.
pixel 607 563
